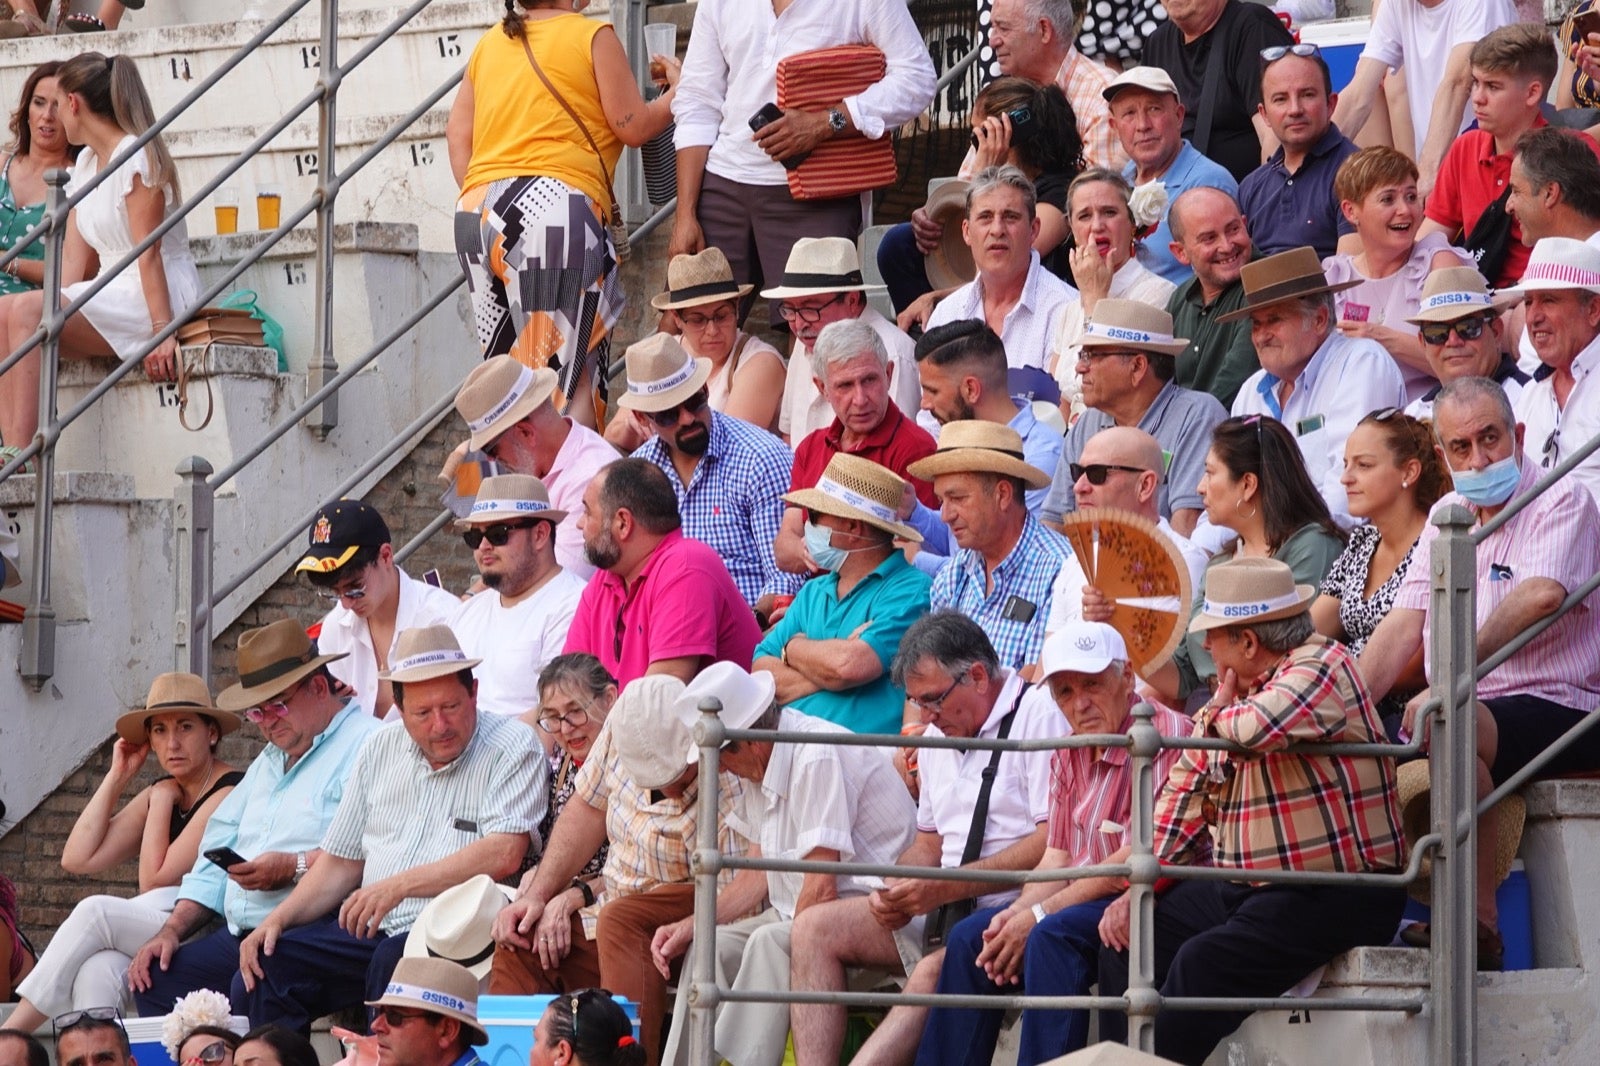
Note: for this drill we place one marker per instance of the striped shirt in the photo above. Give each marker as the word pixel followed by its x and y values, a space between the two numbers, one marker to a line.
pixel 1277 811
pixel 1026 576
pixel 399 813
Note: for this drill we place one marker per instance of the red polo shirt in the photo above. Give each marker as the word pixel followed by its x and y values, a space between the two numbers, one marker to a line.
pixel 896 444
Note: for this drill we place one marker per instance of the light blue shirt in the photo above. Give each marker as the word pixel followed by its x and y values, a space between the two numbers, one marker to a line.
pixel 1013 602
pixel 1189 170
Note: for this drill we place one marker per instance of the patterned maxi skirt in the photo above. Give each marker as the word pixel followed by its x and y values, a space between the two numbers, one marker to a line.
pixel 542 273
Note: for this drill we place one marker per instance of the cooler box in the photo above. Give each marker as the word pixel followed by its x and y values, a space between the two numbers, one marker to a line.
pixel 510 1020
pixel 1516 918
pixel 1341 41
pixel 144 1035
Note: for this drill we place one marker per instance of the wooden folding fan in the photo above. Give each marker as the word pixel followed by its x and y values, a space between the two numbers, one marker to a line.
pixel 1141 572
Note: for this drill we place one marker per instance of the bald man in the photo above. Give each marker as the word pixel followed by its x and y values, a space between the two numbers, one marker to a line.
pixel 1209 237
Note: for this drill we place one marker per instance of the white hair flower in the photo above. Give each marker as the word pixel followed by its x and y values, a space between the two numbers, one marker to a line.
pixel 1148 204
pixel 202 1007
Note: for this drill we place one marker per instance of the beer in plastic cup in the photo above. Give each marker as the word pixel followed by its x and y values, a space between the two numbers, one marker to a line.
pixel 269 202
pixel 226 204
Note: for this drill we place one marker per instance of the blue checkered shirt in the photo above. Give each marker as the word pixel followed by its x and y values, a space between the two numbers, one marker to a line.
pixel 1026 575
pixel 732 501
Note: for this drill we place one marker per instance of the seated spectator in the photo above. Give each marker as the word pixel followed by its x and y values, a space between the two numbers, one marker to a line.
pixel 605 1038
pixel 17 956
pixel 726 475
pixel 1149 118
pixel 821 803
pixel 1525 570
pixel 1316 381
pixel 21 1049
pixel 350 561
pixel 519 622
pixel 442 996
pixel 1289 199
pixel 1126 362
pixel 1277 809
pixel 1210 238
pixel 687 615
pixel 829 654
pixel 1555 186
pixel 92 1038
pixel 575 698
pixel 40 145
pixel 86 964
pixel 961 692
pixel 273 1045
pixel 1459 327
pixel 206 1045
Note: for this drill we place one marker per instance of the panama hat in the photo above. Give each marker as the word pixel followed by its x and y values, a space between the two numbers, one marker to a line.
pixel 1559 263
pixel 1150 79
pixel 499 393
pixel 271 659
pixel 1242 591
pixel 744 696
pixel 820 266
pixel 1131 324
pixel 1456 292
pixel 457 925
pixel 1414 785
pixel 950 263
pixel 974 445
pixel 702 278
pixel 507 497
pixel 649 738
pixel 424 653
pixel 174 694
pixel 858 489
pixel 661 374
pixel 437 986
pixel 1285 276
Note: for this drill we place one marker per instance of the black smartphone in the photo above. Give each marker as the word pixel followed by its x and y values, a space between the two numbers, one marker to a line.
pixel 1585 24
pixel 768 114
pixel 1022 125
pixel 225 857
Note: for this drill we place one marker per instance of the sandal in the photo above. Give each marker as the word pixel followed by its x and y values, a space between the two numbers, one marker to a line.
pixel 82 22
pixel 22 24
pixel 1491 948
pixel 9 452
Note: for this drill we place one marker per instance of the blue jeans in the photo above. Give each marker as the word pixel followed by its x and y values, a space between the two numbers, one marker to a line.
pixel 1059 960
pixel 902 266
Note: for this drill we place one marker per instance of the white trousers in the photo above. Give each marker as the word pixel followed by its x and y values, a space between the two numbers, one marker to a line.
pixel 752 953
pixel 86 964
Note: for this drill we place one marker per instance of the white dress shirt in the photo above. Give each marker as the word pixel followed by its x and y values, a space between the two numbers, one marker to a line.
pixel 804 410
pixel 580 457
pixel 1553 432
pixel 515 643
pixel 1066 595
pixel 344 631
pixel 1029 325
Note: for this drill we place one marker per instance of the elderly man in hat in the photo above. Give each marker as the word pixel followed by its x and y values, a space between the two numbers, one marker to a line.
pixel 428 1015
pixel 1460 327
pixel 727 475
pixel 830 652
pixel 313 736
pixel 1282 685
pixel 448 795
pixel 350 561
pixel 511 413
pixel 1126 361
pixel 519 622
pixel 821 802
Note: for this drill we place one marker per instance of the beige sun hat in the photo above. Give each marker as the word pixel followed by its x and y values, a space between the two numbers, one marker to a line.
pixel 820 266
pixel 426 652
pixel 438 986
pixel 745 697
pixel 702 278
pixel 661 374
pixel 649 738
pixel 1414 785
pixel 1242 591
pixel 1131 324
pixel 1285 276
pixel 1456 292
pixel 861 490
pixel 271 659
pixel 1151 79
pixel 950 264
pixel 174 693
pixel 509 497
pixel 499 393
pixel 974 445
pixel 457 925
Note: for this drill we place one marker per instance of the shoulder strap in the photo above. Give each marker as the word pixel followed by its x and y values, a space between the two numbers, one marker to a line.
pixel 605 172
pixel 980 809
pixel 1215 61
pixel 733 356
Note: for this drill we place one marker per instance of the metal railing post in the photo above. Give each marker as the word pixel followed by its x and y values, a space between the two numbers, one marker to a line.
pixel 1453 755
pixel 1143 999
pixel 193 513
pixel 323 365
pixel 706 863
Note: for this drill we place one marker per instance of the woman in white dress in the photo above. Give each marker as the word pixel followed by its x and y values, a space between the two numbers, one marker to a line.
pixel 103 106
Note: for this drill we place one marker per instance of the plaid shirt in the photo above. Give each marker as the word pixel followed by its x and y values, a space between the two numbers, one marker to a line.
pixel 1083 81
pixel 1278 811
pixel 1026 575
pixel 732 502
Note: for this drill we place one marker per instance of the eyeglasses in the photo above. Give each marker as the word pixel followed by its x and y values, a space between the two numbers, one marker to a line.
pixel 263 711
pixel 552 722
pixel 694 405
pixel 1098 472
pixel 1468 329
pixel 807 315
pixel 496 535
pixel 936 703
pixel 62 1022
pixel 721 318
pixel 394 1017
pixel 1552 445
pixel 212 1052
pixel 1278 51
pixel 1094 355
pixel 349 592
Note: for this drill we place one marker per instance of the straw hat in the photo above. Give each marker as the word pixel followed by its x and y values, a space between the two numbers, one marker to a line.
pixel 1131 324
pixel 507 497
pixel 424 653
pixel 1414 785
pixel 650 739
pixel 174 694
pixel 820 266
pixel 499 393
pixel 1151 79
pixel 271 660
pixel 438 986
pixel 745 697
pixel 1456 292
pixel 702 278
pixel 1285 276
pixel 661 374
pixel 861 490
pixel 457 925
pixel 1559 263
pixel 950 264
pixel 1242 591
pixel 977 446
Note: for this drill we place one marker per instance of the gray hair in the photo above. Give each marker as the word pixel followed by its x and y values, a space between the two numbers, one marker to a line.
pixel 1467 390
pixel 1554 156
pixel 1279 635
pixel 949 638
pixel 1061 14
pixel 841 341
pixel 1003 177
pixel 577 670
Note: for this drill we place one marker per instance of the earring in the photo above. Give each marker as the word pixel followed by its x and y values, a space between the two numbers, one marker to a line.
pixel 1238 509
pixel 1404 483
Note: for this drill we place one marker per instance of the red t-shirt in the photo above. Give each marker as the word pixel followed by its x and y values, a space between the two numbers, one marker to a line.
pixel 896 444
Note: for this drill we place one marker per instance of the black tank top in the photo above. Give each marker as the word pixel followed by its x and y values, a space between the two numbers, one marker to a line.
pixel 181 818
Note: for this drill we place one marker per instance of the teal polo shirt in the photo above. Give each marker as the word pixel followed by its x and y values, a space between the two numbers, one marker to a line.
pixel 891 598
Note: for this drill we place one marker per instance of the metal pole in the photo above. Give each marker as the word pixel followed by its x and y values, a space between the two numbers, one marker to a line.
pixel 628 20
pixel 707 861
pixel 1453 758
pixel 323 365
pixel 1143 999
pixel 193 513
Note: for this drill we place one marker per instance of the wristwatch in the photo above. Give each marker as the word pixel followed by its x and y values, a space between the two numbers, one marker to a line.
pixel 1038 913
pixel 836 119
pixel 300 866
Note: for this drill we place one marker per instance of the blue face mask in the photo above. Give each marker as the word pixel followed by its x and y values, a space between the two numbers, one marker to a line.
pixel 1491 486
pixel 819 542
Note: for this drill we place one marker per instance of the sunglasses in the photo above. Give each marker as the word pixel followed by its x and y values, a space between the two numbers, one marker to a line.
pixel 62 1022
pixel 1468 329
pixel 394 1017
pixel 357 591
pixel 262 712
pixel 211 1053
pixel 694 405
pixel 496 535
pixel 1278 51
pixel 1098 472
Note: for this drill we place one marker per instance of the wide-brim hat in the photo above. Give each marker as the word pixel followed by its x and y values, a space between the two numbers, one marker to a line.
pixel 950 264
pixel 661 374
pixel 648 736
pixel 976 446
pixel 1246 590
pixel 438 986
pixel 1131 324
pixel 174 693
pixel 338 532
pixel 508 497
pixel 702 278
pixel 271 659
pixel 424 653
pixel 1285 276
pixel 1451 293
pixel 819 266
pixel 1150 79
pixel 1559 263
pixel 499 393
pixel 1414 785
pixel 858 489
pixel 458 925
pixel 745 697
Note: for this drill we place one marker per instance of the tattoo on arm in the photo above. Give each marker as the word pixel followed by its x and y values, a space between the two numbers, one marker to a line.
pixel 626 120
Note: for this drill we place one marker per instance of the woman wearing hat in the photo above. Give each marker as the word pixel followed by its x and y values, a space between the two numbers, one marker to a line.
pixel 87 961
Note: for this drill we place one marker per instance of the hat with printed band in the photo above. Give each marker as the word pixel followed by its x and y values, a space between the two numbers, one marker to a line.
pixel 437 986
pixel 271 660
pixel 174 694
pixel 1559 263
pixel 340 531
pixel 1082 648
pixel 426 652
pixel 1455 292
pixel 1243 591
pixel 976 446
pixel 508 497
pixel 858 489
pixel 458 925
pixel 702 278
pixel 661 374
pixel 820 266
pixel 649 738
pixel 744 697
pixel 1131 324
pixel 1285 276
pixel 499 393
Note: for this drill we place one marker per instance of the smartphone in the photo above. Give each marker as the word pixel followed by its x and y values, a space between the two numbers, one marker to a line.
pixel 768 114
pixel 432 578
pixel 1585 24
pixel 225 857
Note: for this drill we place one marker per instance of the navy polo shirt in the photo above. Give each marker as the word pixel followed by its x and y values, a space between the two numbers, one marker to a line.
pixel 1286 210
